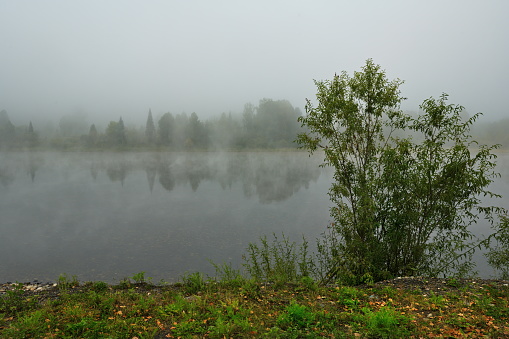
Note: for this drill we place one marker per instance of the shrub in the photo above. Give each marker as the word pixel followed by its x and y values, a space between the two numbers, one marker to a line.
pixel 406 189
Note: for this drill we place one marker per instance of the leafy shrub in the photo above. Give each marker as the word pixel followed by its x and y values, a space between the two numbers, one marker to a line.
pixel 406 190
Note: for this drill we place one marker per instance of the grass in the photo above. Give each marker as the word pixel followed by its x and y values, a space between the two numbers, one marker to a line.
pixel 237 307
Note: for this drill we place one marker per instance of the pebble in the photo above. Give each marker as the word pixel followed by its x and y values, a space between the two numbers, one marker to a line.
pixel 34 286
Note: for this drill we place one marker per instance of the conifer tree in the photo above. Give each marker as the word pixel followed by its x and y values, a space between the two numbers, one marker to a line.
pixel 150 129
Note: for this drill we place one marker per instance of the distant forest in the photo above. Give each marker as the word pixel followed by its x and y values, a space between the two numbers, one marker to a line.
pixel 270 125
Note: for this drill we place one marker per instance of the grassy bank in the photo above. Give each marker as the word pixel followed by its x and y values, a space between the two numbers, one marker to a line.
pixel 407 307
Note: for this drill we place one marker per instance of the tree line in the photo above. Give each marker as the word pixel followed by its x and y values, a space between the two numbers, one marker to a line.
pixel 271 124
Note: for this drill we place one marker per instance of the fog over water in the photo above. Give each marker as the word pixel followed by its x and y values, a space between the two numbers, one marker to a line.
pixel 106 59
pixel 108 215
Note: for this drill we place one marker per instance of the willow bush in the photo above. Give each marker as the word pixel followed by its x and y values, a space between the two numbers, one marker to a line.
pixel 407 190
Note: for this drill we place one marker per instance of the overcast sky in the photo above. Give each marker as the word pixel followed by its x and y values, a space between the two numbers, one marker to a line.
pixel 112 58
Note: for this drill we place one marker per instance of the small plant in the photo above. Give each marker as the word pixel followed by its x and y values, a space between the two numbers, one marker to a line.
pixel 139 278
pixel 349 296
pixel 13 301
pixel 228 275
pixel 436 301
pixel 28 326
pixel 124 284
pixel 65 282
pixel 281 261
pixel 175 308
pixel 230 319
pixel 99 286
pixel 390 292
pixel 385 323
pixel 308 283
pixel 193 282
pixel 250 289
pixel 296 316
pixel 453 282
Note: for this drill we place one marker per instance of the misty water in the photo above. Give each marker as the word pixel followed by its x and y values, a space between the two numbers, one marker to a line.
pixel 107 216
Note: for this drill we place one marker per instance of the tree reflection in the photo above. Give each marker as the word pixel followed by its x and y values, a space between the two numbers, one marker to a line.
pixel 151 170
pixel 117 171
pixel 166 177
pixel 33 164
pixel 6 176
pixel 270 176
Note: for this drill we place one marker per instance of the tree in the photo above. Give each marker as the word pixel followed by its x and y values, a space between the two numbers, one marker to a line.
pixel 92 135
pixel 115 133
pixel 277 121
pixel 7 130
pixel 399 207
pixel 196 132
pixel 32 138
pixel 150 129
pixel 121 139
pixel 73 125
pixel 166 125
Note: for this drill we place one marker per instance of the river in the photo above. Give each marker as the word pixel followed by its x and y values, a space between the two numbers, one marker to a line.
pixel 107 216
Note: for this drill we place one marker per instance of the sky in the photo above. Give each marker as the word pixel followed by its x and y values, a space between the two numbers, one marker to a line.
pixel 112 58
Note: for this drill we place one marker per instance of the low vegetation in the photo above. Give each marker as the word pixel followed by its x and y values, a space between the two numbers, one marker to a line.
pixel 237 307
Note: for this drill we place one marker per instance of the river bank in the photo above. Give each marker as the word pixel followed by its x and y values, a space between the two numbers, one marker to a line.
pixel 403 307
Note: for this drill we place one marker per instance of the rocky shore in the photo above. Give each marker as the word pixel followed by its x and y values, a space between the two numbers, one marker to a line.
pixel 34 286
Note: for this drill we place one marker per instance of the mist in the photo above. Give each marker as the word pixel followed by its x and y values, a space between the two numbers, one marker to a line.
pixel 171 81
pixel 106 60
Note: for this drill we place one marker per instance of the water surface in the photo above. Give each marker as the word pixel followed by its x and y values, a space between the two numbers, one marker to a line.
pixel 107 216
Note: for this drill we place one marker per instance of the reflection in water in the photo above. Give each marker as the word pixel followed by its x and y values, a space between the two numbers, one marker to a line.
pixel 271 177
pixel 166 178
pixel 94 171
pixel 117 171
pixel 151 176
pixel 109 215
pixel 11 164
pixel 6 175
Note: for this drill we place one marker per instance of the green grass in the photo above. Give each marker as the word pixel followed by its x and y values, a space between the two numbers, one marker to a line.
pixel 238 307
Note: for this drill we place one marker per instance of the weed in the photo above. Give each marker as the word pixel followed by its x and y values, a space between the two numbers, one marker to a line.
pixel 308 283
pixel 65 282
pixel 278 262
pixel 436 301
pixel 100 286
pixel 193 282
pixel 453 282
pixel 228 275
pixel 13 301
pixel 230 319
pixel 28 326
pixel 175 308
pixel 86 326
pixel 139 278
pixel 124 284
pixel 385 323
pixel 296 316
pixel 251 289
